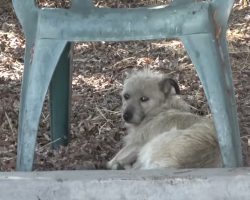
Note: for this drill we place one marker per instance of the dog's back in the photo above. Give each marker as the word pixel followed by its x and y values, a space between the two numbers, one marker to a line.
pixel 195 146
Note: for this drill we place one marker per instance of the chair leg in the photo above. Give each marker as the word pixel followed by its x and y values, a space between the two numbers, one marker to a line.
pixel 213 67
pixel 37 75
pixel 60 96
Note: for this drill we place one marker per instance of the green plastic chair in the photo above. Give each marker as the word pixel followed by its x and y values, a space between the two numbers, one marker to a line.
pixel 49 33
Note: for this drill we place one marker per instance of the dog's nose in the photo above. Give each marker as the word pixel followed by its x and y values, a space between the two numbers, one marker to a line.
pixel 127 116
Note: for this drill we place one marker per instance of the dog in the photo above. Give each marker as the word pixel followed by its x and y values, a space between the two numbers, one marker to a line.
pixel 162 131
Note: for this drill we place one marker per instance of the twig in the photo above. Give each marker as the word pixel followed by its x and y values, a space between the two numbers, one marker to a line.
pixel 7 159
pixel 111 111
pixel 238 52
pixel 245 63
pixel 194 108
pixel 121 61
pixel 10 124
pixel 45 117
pixel 81 59
pixel 43 147
pixel 106 89
pixel 100 129
pixel 244 137
pixel 99 110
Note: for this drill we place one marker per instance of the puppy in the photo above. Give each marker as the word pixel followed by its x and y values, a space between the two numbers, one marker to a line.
pixel 162 132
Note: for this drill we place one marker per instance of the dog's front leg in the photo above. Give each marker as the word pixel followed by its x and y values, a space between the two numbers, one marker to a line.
pixel 124 158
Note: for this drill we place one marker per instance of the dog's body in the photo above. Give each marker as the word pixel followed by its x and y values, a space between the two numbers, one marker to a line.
pixel 162 132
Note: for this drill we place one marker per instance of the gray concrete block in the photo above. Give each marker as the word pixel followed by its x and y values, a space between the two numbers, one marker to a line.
pixel 186 184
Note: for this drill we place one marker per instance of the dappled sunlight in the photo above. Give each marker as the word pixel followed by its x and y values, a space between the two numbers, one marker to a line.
pixel 99 83
pixel 239 30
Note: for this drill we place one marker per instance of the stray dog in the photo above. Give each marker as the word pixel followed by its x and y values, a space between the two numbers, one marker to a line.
pixel 162 132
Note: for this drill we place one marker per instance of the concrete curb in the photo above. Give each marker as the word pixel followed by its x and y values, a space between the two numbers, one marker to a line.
pixel 186 184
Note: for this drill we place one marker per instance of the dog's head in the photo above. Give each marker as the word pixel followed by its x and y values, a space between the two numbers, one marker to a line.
pixel 143 92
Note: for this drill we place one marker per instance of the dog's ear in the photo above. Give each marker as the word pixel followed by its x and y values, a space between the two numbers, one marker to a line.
pixel 129 72
pixel 169 86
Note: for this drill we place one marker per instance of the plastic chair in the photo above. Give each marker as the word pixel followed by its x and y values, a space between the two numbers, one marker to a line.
pixel 50 32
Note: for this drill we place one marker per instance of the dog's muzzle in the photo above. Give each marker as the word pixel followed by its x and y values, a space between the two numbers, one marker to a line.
pixel 127 116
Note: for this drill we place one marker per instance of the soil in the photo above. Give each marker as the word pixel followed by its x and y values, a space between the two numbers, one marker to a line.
pixel 98 72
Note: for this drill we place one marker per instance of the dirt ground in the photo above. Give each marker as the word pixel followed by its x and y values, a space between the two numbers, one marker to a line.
pixel 99 68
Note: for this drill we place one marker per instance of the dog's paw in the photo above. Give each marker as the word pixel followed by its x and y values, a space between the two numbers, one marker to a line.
pixel 114 166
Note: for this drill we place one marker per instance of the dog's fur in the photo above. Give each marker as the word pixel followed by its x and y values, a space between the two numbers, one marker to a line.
pixel 162 132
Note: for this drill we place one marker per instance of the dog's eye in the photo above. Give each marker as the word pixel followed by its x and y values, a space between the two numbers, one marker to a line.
pixel 144 99
pixel 126 96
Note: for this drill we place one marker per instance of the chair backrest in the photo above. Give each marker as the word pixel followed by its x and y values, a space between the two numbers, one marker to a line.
pixel 84 22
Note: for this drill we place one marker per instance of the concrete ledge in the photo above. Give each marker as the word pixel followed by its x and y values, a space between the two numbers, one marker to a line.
pixel 200 184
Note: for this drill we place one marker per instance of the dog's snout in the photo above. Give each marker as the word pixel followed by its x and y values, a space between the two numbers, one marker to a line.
pixel 127 116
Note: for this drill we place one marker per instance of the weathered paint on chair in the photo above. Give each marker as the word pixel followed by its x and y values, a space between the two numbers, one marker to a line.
pixel 48 32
